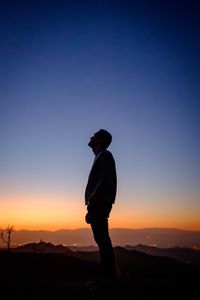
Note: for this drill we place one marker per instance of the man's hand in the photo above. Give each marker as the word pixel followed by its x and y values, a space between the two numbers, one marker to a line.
pixel 89 198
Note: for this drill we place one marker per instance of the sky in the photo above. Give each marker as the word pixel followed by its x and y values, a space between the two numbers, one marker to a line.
pixel 69 68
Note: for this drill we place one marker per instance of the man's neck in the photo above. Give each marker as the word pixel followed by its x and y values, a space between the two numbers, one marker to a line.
pixel 97 150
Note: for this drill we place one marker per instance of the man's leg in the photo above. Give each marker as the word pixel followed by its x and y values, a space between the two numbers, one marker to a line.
pixel 102 238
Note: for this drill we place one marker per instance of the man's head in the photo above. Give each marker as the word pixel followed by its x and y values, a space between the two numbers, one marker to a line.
pixel 101 139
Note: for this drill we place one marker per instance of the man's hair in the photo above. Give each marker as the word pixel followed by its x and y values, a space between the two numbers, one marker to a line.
pixel 105 136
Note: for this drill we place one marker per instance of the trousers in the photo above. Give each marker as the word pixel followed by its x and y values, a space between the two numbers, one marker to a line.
pixel 101 236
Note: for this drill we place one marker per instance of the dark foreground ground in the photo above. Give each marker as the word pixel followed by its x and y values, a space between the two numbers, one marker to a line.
pixel 61 276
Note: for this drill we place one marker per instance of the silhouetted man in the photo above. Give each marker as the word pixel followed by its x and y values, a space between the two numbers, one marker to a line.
pixel 100 195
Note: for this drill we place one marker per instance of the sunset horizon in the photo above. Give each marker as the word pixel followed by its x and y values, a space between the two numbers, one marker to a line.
pixel 52 215
pixel 47 227
pixel 80 228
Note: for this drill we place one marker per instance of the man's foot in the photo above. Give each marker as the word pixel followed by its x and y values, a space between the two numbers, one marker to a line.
pixel 91 283
pixel 103 284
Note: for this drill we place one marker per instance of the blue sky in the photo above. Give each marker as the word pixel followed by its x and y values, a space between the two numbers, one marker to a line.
pixel 69 68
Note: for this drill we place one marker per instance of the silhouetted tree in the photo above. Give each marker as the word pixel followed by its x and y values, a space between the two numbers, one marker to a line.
pixel 6 236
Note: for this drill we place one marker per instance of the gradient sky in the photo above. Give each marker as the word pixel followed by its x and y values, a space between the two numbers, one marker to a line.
pixel 69 68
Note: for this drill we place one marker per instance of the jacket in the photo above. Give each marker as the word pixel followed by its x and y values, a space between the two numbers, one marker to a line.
pixel 102 180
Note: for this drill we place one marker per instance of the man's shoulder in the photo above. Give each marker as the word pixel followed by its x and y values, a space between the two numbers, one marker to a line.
pixel 106 155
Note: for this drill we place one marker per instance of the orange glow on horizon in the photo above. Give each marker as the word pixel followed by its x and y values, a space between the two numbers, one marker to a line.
pixel 40 212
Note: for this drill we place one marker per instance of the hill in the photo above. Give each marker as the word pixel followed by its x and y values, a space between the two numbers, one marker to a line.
pixel 186 255
pixel 56 275
pixel 42 247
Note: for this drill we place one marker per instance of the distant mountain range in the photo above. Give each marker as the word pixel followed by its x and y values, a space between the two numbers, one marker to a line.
pixel 186 255
pixel 159 237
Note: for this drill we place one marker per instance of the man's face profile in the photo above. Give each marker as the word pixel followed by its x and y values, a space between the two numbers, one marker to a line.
pixel 94 140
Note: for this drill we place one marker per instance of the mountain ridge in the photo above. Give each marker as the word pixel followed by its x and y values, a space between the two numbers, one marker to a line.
pixel 161 237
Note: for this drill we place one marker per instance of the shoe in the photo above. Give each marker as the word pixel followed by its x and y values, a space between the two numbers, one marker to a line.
pixel 91 283
pixel 102 285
